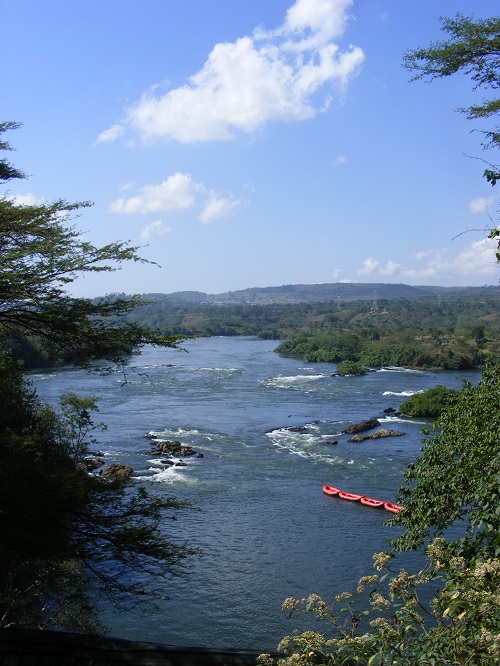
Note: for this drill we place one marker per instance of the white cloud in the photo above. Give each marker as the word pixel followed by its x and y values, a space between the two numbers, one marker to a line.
pixel 28 199
pixel 177 192
pixel 321 20
pixel 174 193
pixel 156 228
pixel 338 276
pixel 390 268
pixel 370 265
pixel 478 258
pixel 217 207
pixel 288 74
pixel 111 134
pixel 481 204
pixel 475 260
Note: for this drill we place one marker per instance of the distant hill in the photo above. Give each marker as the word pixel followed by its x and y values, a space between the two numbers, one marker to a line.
pixel 315 293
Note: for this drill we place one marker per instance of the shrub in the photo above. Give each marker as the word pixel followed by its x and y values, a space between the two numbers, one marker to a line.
pixel 429 403
pixel 351 368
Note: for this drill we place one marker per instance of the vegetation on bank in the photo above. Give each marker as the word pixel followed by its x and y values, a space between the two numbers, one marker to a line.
pixel 67 536
pixel 462 331
pixel 377 346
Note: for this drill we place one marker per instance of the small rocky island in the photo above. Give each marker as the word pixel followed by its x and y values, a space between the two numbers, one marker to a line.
pixel 356 428
pixel 171 447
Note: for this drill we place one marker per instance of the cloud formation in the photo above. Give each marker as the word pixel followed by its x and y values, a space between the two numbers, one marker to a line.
pixel 177 192
pixel 217 207
pixel 174 193
pixel 478 258
pixel 156 228
pixel 28 199
pixel 482 204
pixel 288 74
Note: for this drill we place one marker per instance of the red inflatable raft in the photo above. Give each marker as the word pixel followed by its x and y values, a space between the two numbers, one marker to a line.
pixel 368 501
pixel 393 508
pixel 349 496
pixel 330 490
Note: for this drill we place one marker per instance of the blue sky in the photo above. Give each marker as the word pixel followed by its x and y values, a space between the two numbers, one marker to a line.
pixel 250 143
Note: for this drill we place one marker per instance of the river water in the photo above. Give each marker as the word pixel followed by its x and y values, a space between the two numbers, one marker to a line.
pixel 266 529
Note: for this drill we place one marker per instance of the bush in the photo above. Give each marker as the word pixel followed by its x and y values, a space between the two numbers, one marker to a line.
pixel 351 368
pixel 429 403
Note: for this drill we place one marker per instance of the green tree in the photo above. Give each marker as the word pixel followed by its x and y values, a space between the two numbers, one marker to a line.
pixel 456 478
pixel 460 627
pixel 351 368
pixel 42 253
pixel 473 49
pixel 429 403
pixel 76 414
pixel 66 533
pixel 7 171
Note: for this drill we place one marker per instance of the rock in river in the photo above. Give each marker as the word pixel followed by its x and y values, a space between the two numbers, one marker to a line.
pixel 173 447
pixel 117 471
pixel 362 426
pixel 376 435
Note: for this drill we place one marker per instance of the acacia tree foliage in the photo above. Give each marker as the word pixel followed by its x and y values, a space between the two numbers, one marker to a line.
pixel 66 535
pixel 473 49
pixel 7 170
pixel 42 253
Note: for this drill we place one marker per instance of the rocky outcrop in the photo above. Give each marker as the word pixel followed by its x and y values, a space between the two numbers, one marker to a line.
pixel 362 426
pixel 376 435
pixel 117 471
pixel 332 441
pixel 383 432
pixel 90 464
pixel 173 448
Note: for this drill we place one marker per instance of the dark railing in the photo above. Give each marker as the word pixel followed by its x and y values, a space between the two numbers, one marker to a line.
pixel 20 647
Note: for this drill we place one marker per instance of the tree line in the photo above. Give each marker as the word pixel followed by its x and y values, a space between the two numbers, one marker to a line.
pixel 461 332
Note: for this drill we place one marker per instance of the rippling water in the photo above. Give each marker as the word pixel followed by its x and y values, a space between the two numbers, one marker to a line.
pixel 266 529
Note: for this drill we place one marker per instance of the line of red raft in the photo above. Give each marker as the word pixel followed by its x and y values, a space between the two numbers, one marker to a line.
pixel 367 501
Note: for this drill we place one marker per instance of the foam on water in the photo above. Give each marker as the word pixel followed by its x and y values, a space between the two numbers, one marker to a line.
pixel 170 474
pixel 227 370
pixel 295 382
pixel 394 368
pixel 395 419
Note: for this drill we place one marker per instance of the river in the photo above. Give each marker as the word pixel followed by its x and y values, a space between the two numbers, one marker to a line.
pixel 265 527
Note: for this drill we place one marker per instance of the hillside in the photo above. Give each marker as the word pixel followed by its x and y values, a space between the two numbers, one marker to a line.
pixel 314 293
